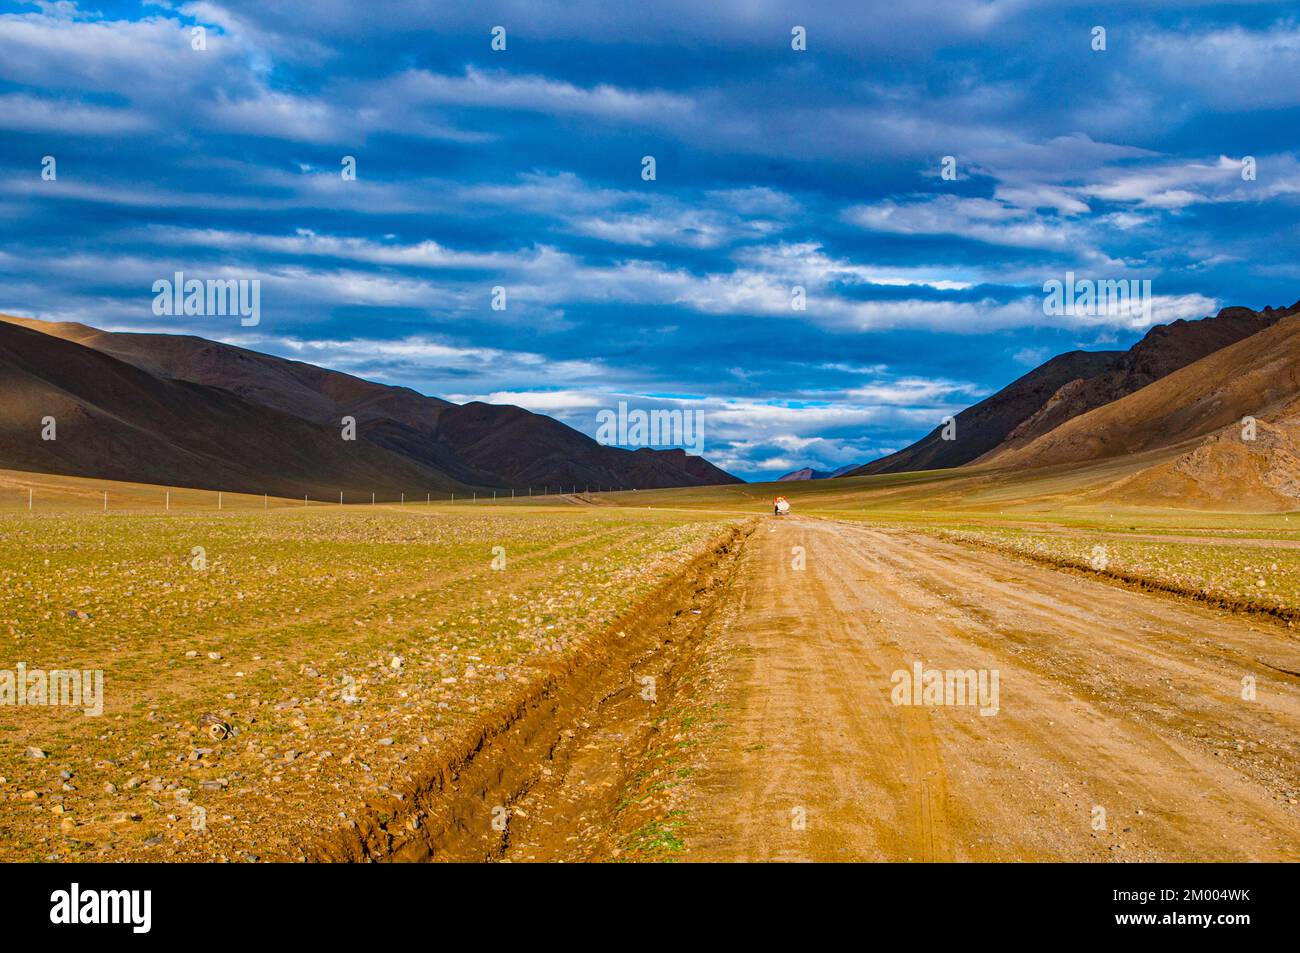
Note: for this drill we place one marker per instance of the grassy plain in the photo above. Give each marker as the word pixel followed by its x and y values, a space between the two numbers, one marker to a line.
pixel 338 642
pixel 341 643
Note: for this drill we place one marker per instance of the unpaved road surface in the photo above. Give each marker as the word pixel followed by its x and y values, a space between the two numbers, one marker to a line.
pixel 1120 733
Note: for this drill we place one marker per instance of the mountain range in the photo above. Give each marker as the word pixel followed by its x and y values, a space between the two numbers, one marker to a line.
pixel 1217 401
pixel 1208 409
pixel 808 473
pixel 183 410
pixel 1070 385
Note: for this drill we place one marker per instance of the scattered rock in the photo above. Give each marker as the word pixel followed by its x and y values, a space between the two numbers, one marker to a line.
pixel 217 729
pixel 35 753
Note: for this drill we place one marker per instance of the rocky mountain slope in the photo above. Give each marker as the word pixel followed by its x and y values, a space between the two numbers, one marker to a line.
pixel 475 444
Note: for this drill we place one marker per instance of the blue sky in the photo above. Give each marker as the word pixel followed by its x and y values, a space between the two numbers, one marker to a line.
pixel 775 168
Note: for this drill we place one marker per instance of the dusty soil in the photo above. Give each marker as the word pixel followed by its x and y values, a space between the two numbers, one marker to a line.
pixel 1120 731
pixel 547 777
pixel 1110 700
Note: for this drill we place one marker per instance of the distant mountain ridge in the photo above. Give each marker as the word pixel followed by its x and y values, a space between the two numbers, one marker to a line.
pixel 808 473
pixel 422 441
pixel 1071 385
pixel 1165 349
pixel 1256 377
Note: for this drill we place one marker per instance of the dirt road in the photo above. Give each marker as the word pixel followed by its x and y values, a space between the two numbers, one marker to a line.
pixel 1120 730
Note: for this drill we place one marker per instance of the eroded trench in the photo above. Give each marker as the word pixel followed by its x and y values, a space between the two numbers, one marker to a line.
pixel 541 777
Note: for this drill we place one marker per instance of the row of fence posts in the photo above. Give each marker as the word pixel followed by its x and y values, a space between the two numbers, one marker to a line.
pixel 266 499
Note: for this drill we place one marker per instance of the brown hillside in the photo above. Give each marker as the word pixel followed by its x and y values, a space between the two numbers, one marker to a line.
pixel 983 426
pixel 477 444
pixel 1226 471
pixel 1165 349
pixel 1072 384
pixel 117 422
pixel 1257 376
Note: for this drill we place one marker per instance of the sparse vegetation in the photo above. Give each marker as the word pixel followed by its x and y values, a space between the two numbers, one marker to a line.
pixel 337 643
pixel 1258 577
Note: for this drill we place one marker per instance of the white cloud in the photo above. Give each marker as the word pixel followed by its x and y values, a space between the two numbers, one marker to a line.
pixel 21 111
pixel 502 90
pixel 1031 356
pixel 1232 68
pixel 985 220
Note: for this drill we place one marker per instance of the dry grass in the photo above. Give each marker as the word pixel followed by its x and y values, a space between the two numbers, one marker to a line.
pixel 297 611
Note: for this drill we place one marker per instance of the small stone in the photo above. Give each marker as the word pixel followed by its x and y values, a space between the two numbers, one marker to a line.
pixel 215 656
pixel 110 787
pixel 35 753
pixel 214 726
